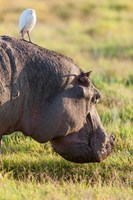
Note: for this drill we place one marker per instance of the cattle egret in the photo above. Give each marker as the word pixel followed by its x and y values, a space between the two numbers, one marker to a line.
pixel 27 21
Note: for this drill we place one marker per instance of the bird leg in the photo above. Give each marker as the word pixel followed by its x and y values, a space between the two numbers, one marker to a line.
pixel 29 36
pixel 22 36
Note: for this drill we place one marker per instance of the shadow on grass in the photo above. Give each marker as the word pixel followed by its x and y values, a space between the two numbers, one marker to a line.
pixel 57 169
pixel 24 159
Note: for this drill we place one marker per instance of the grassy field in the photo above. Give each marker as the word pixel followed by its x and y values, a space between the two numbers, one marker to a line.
pixel 98 35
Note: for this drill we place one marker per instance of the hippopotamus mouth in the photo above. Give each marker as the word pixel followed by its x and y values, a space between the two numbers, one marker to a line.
pixel 100 149
pixel 89 144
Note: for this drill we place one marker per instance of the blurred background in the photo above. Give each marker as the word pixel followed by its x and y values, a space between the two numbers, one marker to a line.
pixel 87 30
pixel 98 35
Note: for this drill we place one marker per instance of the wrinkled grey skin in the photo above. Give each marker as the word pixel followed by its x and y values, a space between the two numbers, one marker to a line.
pixel 47 97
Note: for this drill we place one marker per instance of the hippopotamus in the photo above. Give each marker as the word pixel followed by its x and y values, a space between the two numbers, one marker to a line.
pixel 46 96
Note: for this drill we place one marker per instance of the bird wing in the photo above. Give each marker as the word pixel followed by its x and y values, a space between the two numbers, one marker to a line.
pixel 24 20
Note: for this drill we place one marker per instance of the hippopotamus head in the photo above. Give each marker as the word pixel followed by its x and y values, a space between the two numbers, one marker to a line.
pixel 86 140
pixel 49 98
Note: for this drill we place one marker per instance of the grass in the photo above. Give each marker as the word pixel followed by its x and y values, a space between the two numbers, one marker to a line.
pixel 98 36
pixel 65 190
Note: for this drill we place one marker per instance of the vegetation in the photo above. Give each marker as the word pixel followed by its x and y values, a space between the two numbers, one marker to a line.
pixel 98 36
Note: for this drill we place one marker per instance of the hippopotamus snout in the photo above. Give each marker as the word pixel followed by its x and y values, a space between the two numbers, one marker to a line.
pixel 105 149
pixel 85 146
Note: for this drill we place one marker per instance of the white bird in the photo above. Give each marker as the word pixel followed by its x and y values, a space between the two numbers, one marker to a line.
pixel 27 21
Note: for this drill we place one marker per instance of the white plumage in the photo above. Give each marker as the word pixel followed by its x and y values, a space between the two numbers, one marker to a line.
pixel 27 21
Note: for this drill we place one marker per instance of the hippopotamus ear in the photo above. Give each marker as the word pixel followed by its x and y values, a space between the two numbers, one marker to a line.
pixel 87 74
pixel 83 78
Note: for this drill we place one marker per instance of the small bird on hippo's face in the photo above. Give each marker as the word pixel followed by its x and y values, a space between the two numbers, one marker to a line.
pixel 27 21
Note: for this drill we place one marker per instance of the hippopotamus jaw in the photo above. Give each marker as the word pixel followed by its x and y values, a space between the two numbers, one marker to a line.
pixel 89 144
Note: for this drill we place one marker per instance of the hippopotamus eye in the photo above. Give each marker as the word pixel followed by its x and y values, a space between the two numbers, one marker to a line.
pixel 96 97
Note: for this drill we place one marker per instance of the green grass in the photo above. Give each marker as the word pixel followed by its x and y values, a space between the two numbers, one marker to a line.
pixel 98 36
pixel 64 190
